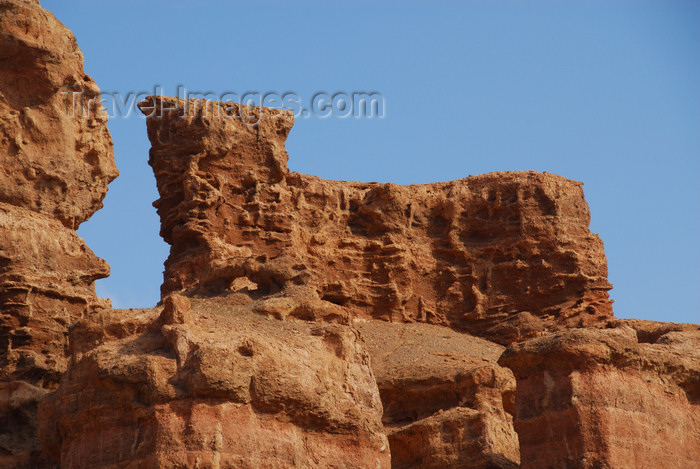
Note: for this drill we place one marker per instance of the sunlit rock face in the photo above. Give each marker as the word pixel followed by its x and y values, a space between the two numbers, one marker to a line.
pixel 503 255
pixel 54 169
pixel 214 385
pixel 615 397
pixel 306 322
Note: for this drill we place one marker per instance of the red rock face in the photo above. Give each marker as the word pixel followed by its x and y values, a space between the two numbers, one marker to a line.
pixel 304 342
pixel 55 151
pixel 46 283
pixel 214 386
pixel 503 255
pixel 600 398
pixel 446 401
pixel 54 171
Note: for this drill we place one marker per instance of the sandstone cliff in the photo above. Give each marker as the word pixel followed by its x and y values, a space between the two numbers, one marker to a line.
pixel 214 386
pixel 446 401
pixel 605 398
pixel 503 255
pixel 54 171
pixel 305 322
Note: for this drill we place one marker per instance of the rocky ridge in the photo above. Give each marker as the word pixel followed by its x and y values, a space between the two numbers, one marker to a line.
pixel 306 322
pixel 502 255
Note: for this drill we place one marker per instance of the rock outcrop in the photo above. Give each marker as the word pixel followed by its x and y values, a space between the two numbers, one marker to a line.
pixel 447 403
pixel 55 149
pixel 506 256
pixel 54 169
pixel 503 255
pixel 306 322
pixel 214 385
pixel 590 398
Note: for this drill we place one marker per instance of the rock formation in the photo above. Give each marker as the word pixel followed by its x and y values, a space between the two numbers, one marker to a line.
pixel 214 386
pixel 55 147
pixel 446 401
pixel 590 398
pixel 503 255
pixel 305 322
pixel 54 171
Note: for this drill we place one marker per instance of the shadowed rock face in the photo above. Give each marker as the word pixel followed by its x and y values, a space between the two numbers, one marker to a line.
pixel 502 255
pixel 54 171
pixel 601 398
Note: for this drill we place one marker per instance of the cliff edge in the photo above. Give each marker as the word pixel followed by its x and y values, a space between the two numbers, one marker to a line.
pixel 54 170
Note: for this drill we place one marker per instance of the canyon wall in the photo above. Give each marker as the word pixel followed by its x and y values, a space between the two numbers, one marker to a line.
pixel 214 385
pixel 306 322
pixel 502 255
pixel 506 256
pixel 607 398
pixel 54 171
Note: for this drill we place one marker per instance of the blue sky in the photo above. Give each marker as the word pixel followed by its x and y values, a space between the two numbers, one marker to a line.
pixel 604 92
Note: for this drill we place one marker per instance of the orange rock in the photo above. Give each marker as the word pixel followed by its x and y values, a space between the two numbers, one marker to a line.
pixel 45 285
pixel 293 328
pixel 447 403
pixel 229 389
pixel 502 255
pixel 54 161
pixel 176 309
pixel 599 398
pixel 54 171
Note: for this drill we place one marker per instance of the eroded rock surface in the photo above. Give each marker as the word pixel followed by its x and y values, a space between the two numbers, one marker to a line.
pixel 506 256
pixel 447 403
pixel 214 386
pixel 55 150
pixel 54 170
pixel 604 399
pixel 502 255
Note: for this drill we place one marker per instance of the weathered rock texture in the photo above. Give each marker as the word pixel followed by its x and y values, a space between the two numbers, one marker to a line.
pixel 605 399
pixel 447 403
pixel 506 256
pixel 502 255
pixel 54 171
pixel 55 150
pixel 214 386
pixel 306 343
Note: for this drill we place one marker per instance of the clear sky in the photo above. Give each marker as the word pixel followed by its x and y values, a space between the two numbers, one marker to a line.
pixel 604 92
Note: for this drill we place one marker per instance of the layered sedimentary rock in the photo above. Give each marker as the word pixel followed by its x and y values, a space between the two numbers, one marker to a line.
pixel 447 403
pixel 46 283
pixel 214 386
pixel 502 255
pixel 604 398
pixel 54 169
